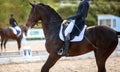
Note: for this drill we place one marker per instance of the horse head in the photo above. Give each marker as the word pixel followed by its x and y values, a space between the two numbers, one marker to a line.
pixel 24 29
pixel 44 13
pixel 34 16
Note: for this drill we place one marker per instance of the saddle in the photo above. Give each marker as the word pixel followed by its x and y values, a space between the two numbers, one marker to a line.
pixel 16 30
pixel 68 30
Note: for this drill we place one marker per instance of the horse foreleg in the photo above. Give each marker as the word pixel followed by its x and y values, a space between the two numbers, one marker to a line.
pixel 19 43
pixel 1 46
pixel 1 43
pixel 5 44
pixel 52 59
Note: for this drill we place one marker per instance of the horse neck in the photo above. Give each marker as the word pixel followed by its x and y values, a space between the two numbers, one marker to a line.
pixel 22 28
pixel 50 27
pixel 51 24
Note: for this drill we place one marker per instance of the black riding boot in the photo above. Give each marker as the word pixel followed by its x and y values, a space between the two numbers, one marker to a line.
pixel 64 50
pixel 66 46
pixel 18 32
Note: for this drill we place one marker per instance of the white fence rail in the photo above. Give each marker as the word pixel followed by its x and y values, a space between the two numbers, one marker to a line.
pixel 17 57
pixel 20 54
pixel 27 55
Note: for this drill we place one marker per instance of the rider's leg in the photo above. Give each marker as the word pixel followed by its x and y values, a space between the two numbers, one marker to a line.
pixel 64 50
pixel 66 47
pixel 18 30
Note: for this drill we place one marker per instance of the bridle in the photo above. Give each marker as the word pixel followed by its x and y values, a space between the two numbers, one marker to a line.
pixel 36 23
pixel 35 17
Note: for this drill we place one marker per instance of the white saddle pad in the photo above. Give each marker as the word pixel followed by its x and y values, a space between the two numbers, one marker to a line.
pixel 14 29
pixel 69 30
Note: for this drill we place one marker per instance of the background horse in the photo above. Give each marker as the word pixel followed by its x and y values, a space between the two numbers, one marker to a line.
pixel 7 33
pixel 100 39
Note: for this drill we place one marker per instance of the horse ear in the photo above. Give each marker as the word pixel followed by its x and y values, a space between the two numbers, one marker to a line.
pixel 31 4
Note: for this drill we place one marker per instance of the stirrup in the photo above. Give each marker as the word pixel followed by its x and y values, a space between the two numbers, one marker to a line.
pixel 60 52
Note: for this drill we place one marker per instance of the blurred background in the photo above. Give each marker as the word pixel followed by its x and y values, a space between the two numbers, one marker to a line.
pixel 21 9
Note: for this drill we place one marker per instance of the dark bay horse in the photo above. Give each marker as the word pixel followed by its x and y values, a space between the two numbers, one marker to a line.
pixel 7 34
pixel 100 39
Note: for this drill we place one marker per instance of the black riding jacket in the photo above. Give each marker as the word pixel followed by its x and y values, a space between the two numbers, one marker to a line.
pixel 79 18
pixel 12 22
